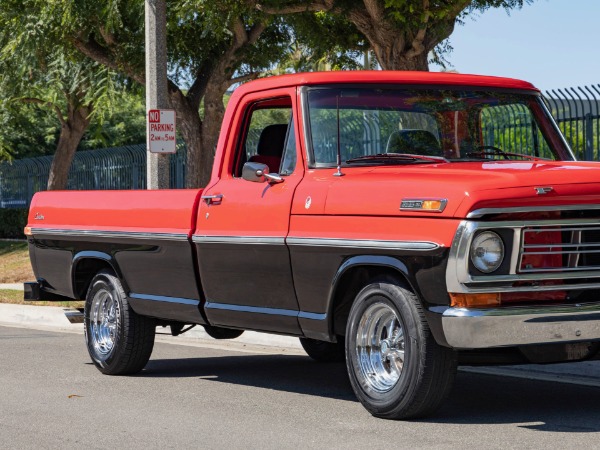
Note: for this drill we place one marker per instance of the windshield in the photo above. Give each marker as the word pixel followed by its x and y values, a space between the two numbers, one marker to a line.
pixel 383 126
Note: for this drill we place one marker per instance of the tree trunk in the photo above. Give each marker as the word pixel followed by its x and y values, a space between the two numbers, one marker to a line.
pixel 214 111
pixel 391 60
pixel 190 126
pixel 395 49
pixel 72 130
pixel 200 135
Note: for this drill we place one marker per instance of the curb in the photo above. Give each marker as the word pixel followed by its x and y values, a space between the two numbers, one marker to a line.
pixel 53 318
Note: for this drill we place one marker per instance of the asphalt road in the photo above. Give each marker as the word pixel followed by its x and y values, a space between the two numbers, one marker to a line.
pixel 216 396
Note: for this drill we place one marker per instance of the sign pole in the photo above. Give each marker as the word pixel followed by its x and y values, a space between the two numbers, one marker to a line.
pixel 157 167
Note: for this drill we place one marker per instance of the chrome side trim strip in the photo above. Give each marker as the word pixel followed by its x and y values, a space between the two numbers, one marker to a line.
pixel 311 316
pixel 317 242
pixel 269 311
pixel 161 298
pixel 109 234
pixel 468 328
pixel 521 209
pixel 360 243
pixel 251 309
pixel 256 240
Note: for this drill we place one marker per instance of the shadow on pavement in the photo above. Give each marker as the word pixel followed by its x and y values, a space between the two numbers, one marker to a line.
pixel 298 374
pixel 475 399
pixel 535 405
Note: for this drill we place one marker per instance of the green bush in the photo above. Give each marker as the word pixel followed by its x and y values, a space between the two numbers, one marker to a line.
pixel 12 222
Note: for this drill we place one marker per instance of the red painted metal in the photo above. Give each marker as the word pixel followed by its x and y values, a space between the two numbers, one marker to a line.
pixel 162 211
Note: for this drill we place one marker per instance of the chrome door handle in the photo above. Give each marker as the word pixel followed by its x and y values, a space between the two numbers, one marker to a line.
pixel 212 199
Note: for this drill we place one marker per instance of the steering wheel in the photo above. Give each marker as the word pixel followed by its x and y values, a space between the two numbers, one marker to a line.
pixel 489 150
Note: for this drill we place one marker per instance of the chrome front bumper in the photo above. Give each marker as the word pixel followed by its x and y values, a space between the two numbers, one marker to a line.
pixel 467 328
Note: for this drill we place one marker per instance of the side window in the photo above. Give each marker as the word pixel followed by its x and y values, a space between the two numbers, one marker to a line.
pixel 266 139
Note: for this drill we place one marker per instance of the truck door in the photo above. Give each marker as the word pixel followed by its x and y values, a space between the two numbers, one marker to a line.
pixel 243 259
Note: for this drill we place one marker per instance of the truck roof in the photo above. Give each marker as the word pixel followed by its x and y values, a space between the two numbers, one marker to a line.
pixel 384 77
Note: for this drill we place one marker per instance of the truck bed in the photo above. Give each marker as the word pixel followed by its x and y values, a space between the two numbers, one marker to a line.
pixel 143 236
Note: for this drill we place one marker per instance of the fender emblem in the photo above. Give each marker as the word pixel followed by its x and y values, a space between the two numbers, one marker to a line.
pixel 543 190
pixel 38 216
pixel 307 202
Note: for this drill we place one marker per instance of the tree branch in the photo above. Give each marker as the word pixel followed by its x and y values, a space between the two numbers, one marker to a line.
pixel 255 32
pixel 97 52
pixel 239 32
pixel 108 37
pixel 51 105
pixel 315 6
pixel 417 42
pixel 240 79
pixel 375 10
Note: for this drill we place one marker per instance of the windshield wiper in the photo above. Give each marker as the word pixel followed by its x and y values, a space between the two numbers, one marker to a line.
pixel 488 150
pixel 396 157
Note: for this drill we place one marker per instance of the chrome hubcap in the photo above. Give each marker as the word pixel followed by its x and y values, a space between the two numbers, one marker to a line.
pixel 103 322
pixel 380 348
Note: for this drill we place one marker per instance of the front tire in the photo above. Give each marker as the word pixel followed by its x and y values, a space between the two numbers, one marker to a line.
pixel 118 340
pixel 396 368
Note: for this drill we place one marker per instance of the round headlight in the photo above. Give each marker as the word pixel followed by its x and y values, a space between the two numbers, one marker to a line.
pixel 487 251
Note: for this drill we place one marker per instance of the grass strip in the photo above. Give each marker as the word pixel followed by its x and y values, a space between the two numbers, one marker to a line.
pixel 16 298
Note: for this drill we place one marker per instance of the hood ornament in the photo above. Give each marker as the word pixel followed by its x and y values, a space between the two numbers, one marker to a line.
pixel 543 190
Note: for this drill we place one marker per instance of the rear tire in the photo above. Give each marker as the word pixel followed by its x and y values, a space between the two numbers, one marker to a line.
pixel 118 340
pixel 396 368
pixel 323 351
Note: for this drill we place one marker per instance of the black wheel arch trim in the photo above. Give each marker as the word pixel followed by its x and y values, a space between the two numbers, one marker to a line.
pixel 97 255
pixel 352 262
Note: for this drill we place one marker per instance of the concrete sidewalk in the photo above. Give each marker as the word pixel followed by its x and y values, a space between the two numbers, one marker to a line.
pixel 12 286
pixel 53 318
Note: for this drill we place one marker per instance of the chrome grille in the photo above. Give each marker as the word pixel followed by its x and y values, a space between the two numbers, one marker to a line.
pixel 559 249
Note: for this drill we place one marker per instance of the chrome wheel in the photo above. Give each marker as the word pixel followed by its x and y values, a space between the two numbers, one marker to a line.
pixel 103 322
pixel 379 348
pixel 118 340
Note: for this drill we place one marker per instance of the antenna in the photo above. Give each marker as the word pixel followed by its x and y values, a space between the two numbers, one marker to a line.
pixel 339 151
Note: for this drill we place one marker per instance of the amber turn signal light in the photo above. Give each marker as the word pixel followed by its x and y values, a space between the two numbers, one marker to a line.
pixel 471 300
pixel 432 205
pixel 27 231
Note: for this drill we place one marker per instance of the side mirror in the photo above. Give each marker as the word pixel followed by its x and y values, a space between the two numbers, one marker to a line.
pixel 259 173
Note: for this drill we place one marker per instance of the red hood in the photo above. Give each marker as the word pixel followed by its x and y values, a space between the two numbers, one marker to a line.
pixel 466 186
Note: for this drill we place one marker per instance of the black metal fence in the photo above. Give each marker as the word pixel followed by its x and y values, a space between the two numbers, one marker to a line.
pixel 108 168
pixel 576 110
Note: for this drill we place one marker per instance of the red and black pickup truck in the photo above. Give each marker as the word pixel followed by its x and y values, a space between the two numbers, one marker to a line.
pixel 405 222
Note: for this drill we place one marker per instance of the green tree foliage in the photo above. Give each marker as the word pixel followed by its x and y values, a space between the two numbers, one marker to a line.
pixel 211 46
pixel 35 71
pixel 322 42
pixel 401 33
pixel 27 132
pixel 31 130
pixel 123 124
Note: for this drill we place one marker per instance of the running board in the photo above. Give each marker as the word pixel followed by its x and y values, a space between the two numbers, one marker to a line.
pixel 74 315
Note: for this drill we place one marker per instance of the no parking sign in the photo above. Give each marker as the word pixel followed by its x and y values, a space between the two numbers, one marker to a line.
pixel 161 131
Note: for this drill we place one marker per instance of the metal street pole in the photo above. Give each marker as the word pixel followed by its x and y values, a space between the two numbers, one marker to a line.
pixel 157 167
